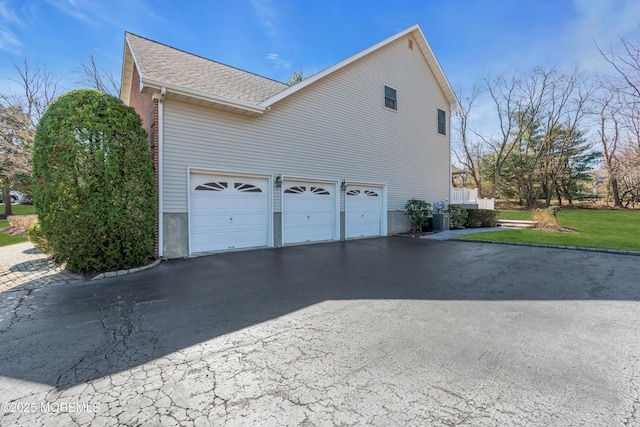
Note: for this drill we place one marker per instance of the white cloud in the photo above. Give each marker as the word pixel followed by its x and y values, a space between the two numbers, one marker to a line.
pixel 117 12
pixel 266 14
pixel 71 8
pixel 602 23
pixel 9 42
pixel 278 62
pixel 8 15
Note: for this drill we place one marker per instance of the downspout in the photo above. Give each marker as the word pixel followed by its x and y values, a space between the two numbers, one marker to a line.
pixel 449 178
pixel 454 108
pixel 163 92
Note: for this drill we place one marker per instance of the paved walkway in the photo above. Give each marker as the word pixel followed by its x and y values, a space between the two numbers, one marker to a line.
pixel 22 265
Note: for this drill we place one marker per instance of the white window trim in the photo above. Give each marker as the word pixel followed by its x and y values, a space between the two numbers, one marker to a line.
pixel 438 122
pixel 384 93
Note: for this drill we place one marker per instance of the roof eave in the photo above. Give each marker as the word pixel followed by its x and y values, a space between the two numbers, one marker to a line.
pixel 152 86
pixel 128 62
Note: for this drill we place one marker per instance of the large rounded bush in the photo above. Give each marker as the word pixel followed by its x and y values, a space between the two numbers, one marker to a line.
pixel 93 183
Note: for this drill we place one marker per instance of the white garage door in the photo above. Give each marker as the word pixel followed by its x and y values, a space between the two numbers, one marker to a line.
pixel 308 212
pixel 363 216
pixel 228 212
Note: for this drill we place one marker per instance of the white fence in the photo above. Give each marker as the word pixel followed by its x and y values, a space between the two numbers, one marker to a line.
pixel 469 196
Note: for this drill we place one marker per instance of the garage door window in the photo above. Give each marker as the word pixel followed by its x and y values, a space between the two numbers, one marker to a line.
pixel 222 186
pixel 363 192
pixel 302 189
pixel 213 186
pixel 295 190
pixel 247 188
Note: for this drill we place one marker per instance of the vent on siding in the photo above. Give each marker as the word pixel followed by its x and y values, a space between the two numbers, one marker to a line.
pixel 410 44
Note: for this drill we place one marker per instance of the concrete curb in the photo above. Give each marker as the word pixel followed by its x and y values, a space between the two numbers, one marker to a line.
pixel 124 272
pixel 536 245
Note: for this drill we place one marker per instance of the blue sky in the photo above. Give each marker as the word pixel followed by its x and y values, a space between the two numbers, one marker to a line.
pixel 273 38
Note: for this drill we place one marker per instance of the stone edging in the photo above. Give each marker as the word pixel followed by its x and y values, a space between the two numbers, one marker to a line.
pixel 129 271
pixel 536 245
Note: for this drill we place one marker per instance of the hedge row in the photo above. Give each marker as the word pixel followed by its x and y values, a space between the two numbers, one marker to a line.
pixel 477 218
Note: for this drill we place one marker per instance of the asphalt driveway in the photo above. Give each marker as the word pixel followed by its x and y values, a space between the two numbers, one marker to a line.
pixel 384 332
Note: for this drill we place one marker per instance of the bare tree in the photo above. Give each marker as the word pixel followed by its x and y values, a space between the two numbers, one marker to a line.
pixel 469 150
pixel 39 88
pixel 629 175
pixel 16 136
pixel 516 103
pixel 620 117
pixel 96 78
pixel 607 110
pixel 540 113
pixel 19 115
pixel 626 62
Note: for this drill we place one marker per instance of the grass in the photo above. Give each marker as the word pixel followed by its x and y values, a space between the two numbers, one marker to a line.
pixel 5 239
pixel 20 209
pixel 603 229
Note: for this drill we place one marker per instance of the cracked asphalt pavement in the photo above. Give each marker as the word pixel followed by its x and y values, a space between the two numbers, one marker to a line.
pixel 380 332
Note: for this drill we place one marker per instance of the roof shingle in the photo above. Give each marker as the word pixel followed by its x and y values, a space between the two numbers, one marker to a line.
pixel 170 66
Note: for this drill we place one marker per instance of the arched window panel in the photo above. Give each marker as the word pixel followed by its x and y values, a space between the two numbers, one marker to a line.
pixel 213 186
pixel 296 190
pixel 247 188
pixel 319 190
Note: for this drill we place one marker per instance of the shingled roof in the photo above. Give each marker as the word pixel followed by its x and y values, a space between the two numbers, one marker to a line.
pixel 166 70
pixel 161 65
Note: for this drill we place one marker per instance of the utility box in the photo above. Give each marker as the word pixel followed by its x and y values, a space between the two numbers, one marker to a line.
pixel 440 222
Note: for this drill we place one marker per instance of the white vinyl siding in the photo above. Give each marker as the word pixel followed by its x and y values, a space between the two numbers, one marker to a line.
pixel 333 129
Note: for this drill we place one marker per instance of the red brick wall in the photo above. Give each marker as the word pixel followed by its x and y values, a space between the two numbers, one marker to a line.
pixel 147 109
pixel 142 103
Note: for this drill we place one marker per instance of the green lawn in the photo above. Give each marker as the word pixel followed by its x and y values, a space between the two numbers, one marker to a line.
pixel 5 239
pixel 604 229
pixel 20 209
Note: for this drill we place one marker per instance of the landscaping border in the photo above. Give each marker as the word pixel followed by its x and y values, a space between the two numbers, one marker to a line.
pixel 537 245
pixel 129 271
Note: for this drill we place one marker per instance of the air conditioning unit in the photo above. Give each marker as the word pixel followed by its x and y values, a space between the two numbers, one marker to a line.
pixel 440 222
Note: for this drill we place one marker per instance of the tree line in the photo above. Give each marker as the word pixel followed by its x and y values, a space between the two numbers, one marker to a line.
pixel 552 128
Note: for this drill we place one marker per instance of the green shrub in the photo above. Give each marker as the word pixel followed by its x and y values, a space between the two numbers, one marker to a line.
pixel 36 237
pixel 418 212
pixel 457 216
pixel 93 183
pixel 482 218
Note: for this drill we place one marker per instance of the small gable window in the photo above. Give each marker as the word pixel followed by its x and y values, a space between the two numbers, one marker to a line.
pixel 442 122
pixel 390 98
